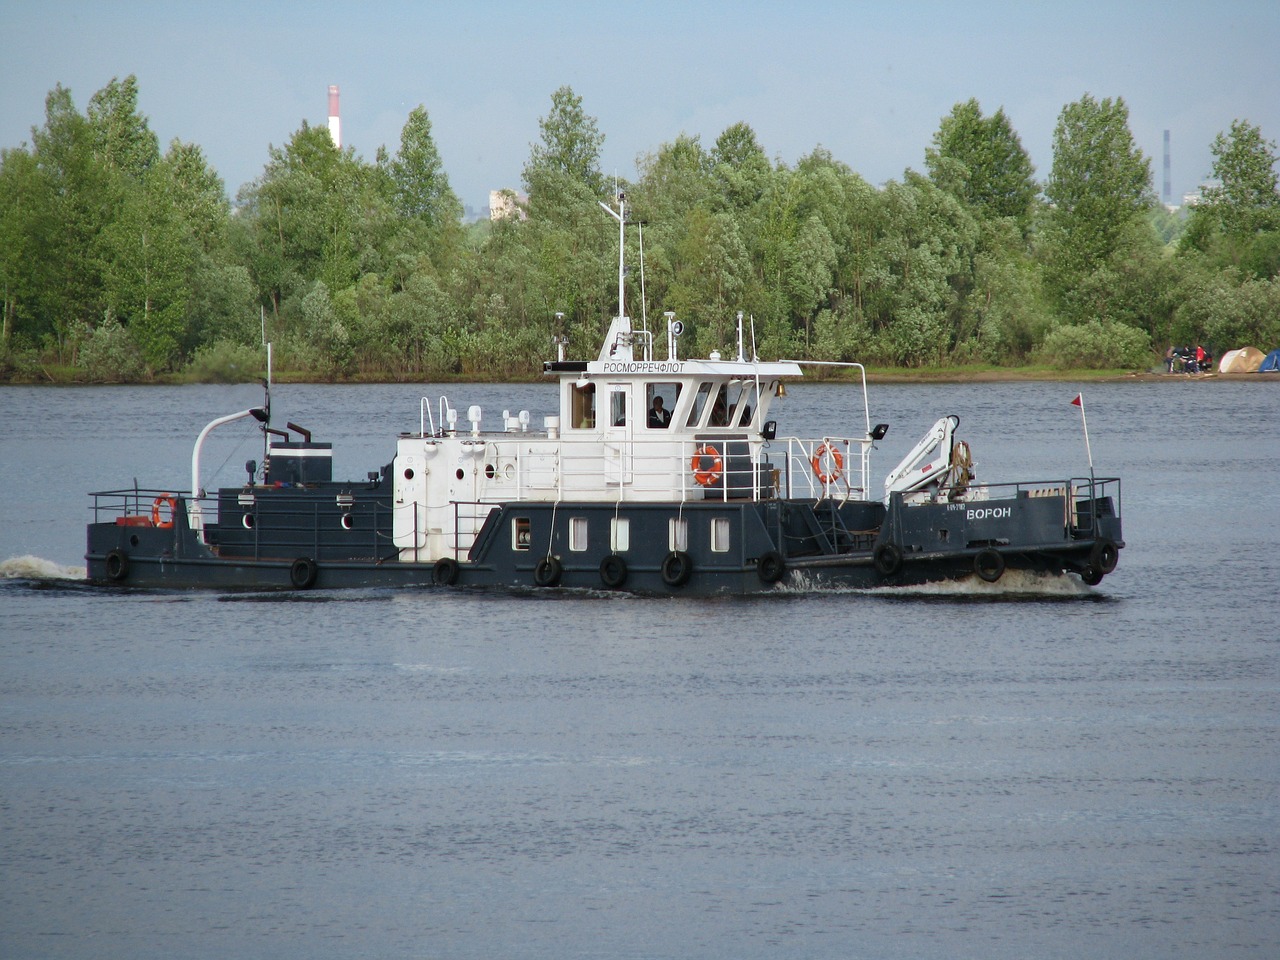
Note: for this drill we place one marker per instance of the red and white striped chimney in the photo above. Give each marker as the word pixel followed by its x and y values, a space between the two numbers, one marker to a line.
pixel 335 121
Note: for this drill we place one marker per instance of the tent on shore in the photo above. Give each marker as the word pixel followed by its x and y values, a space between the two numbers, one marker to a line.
pixel 1270 363
pixel 1244 360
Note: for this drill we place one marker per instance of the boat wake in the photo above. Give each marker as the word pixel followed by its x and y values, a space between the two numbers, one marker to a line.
pixel 36 568
pixel 1014 585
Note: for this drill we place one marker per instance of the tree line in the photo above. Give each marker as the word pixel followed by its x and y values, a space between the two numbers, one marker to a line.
pixel 120 262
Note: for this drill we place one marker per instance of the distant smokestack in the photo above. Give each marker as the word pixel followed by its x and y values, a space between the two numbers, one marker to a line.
pixel 335 120
pixel 1168 179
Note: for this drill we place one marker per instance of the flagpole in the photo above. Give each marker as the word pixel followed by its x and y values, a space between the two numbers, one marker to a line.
pixel 1079 402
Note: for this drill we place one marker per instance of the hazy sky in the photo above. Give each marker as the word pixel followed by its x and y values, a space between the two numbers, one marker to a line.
pixel 867 81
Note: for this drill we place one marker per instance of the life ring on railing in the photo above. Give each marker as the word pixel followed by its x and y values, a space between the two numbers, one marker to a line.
pixel 159 501
pixel 707 476
pixel 831 455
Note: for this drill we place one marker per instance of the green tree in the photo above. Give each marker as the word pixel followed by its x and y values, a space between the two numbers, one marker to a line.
pixel 1238 222
pixel 1099 191
pixel 421 190
pixel 981 161
pixel 568 151
pixel 76 200
pixel 122 139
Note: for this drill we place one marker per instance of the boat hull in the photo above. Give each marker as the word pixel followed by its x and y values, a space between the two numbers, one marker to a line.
pixel 331 537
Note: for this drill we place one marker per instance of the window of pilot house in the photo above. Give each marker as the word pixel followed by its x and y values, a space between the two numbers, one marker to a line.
pixel 659 416
pixel 678 534
pixel 618 406
pixel 584 406
pixel 577 534
pixel 520 533
pixel 699 405
pixel 741 395
pixel 720 534
pixel 720 408
pixel 620 534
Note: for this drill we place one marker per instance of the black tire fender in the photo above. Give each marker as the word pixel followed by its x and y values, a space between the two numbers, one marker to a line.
pixel 989 565
pixel 1091 575
pixel 302 573
pixel 116 563
pixel 445 572
pixel 677 568
pixel 888 559
pixel 613 571
pixel 771 568
pixel 548 572
pixel 1104 556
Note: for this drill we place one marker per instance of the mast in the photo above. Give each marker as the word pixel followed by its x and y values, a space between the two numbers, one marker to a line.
pixel 621 216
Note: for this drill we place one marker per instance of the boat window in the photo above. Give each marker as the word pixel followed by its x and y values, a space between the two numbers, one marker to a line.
pixel 720 534
pixel 699 404
pixel 618 406
pixel 720 408
pixel 678 534
pixel 577 534
pixel 620 534
pixel 740 397
pixel 660 401
pixel 520 535
pixel 584 406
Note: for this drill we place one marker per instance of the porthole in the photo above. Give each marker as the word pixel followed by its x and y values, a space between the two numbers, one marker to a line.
pixel 461 473
pixel 408 474
pixel 347 522
pixel 489 471
pixel 247 520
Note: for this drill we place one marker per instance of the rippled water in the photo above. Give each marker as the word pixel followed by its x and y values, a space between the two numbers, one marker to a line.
pixel 1033 770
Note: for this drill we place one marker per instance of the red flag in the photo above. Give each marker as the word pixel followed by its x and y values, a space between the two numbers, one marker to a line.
pixel 1076 402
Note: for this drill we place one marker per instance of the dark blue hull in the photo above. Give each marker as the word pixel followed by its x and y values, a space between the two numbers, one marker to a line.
pixel 330 535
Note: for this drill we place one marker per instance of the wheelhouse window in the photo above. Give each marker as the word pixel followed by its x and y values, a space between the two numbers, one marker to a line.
pixel 617 406
pixel 699 405
pixel 660 401
pixel 584 406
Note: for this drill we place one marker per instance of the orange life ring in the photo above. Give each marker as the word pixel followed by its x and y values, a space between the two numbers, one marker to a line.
pixel 164 498
pixel 834 456
pixel 707 477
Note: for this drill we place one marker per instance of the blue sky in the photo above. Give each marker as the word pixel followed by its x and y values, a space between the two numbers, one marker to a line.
pixel 867 81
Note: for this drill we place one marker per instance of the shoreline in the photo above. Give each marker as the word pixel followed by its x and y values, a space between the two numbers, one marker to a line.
pixel 924 377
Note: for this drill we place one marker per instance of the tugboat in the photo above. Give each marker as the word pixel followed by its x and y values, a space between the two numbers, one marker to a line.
pixel 657 475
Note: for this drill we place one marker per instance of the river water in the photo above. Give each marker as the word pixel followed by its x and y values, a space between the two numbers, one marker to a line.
pixel 1031 770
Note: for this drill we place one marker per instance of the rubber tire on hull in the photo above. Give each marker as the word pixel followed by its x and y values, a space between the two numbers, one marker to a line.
pixel 303 572
pixel 117 565
pixel 677 568
pixel 771 568
pixel 613 571
pixel 445 572
pixel 1104 556
pixel 1091 575
pixel 548 572
pixel 989 565
pixel 888 559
